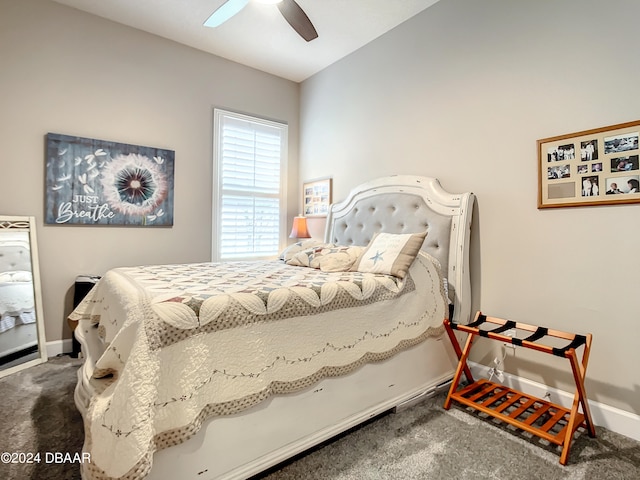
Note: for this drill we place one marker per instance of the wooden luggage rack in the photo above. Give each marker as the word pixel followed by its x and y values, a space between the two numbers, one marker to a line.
pixel 531 414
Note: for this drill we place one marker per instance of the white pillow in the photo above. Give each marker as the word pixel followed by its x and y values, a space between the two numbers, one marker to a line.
pixel 22 276
pixel 327 257
pixel 16 276
pixel 390 253
pixel 297 247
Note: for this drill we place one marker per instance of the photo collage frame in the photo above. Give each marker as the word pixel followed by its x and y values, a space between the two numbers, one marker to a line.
pixel 593 167
pixel 316 197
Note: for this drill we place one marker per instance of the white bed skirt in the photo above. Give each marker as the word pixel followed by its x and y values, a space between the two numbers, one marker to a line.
pixel 241 445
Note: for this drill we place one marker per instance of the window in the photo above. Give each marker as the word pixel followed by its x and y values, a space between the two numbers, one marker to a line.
pixel 249 204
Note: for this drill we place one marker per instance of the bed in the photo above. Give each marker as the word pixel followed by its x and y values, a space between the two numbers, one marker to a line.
pixel 18 329
pixel 210 371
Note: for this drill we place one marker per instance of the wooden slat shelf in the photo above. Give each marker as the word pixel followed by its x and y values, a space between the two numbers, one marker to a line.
pixel 531 414
pixel 524 412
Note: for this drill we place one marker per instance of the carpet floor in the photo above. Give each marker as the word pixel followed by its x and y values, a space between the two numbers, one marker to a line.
pixel 422 442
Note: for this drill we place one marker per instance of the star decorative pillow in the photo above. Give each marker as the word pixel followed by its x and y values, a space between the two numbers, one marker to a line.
pixel 390 253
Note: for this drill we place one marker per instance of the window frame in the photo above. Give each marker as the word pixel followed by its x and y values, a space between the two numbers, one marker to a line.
pixel 218 124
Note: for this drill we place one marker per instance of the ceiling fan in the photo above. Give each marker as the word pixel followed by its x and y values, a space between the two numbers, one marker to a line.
pixel 290 10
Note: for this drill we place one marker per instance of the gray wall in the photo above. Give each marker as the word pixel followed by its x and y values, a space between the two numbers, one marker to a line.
pixel 68 72
pixel 462 92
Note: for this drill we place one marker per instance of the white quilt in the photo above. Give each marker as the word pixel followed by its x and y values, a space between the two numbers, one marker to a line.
pixel 186 342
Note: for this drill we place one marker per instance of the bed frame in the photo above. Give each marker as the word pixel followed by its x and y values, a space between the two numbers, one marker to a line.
pixel 245 444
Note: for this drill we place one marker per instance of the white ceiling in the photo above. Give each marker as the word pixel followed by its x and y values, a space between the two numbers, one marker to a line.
pixel 259 36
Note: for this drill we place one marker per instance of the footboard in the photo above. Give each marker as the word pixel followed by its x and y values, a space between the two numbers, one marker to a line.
pixel 223 449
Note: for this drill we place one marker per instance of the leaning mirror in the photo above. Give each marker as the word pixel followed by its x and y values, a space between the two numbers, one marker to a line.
pixel 22 340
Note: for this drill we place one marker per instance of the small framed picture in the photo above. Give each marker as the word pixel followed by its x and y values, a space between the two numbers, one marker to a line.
pixel 594 167
pixel 316 197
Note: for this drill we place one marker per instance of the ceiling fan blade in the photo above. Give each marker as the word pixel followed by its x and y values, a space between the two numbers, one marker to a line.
pixel 296 17
pixel 225 12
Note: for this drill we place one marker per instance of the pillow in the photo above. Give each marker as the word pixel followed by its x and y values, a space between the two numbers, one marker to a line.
pixel 15 276
pixel 390 253
pixel 326 257
pixel 22 276
pixel 297 247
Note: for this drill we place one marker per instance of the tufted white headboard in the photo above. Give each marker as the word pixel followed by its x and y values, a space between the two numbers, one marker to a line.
pixel 14 252
pixel 411 204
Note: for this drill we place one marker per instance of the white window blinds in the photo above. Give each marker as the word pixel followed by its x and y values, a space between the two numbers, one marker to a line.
pixel 249 203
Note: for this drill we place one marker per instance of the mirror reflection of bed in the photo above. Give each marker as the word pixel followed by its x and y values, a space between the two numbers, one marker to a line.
pixel 18 311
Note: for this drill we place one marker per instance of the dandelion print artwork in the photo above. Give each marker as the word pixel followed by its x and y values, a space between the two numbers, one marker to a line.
pixel 97 182
pixel 133 184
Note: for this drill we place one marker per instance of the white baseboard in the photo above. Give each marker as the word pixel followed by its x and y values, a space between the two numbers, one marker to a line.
pixel 59 347
pixel 612 418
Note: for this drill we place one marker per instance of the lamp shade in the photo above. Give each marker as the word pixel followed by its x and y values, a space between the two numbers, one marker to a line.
pixel 299 229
